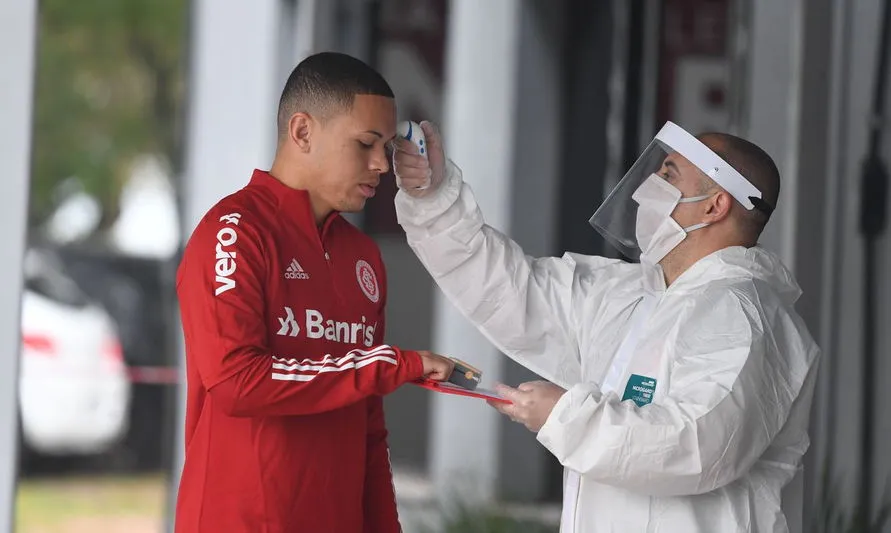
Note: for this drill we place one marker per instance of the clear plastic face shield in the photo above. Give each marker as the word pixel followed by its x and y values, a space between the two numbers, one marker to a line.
pixel 636 216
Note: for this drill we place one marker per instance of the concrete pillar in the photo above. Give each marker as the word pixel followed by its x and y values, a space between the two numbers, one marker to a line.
pixel 533 192
pixel 772 106
pixel 18 28
pixel 233 95
pixel 788 110
pixel 479 125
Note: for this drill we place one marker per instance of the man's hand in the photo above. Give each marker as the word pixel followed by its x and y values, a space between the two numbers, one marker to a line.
pixel 415 174
pixel 436 367
pixel 532 402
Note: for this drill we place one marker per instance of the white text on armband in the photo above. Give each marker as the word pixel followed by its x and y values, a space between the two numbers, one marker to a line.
pixel 225 265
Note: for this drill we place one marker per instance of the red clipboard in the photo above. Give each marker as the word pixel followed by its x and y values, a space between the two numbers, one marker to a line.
pixel 448 388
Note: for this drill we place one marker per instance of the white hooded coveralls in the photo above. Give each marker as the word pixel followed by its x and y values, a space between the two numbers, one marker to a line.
pixel 734 369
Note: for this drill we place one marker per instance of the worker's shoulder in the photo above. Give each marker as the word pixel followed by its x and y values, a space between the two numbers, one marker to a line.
pixel 740 288
pixel 754 309
pixel 742 299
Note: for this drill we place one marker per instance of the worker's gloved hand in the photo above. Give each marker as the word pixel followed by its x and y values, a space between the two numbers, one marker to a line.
pixel 436 367
pixel 417 175
pixel 532 402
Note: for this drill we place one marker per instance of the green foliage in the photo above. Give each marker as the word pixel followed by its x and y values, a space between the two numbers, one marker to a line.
pixel 109 87
pixel 459 516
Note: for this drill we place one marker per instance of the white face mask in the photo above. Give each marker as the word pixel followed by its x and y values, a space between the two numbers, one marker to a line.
pixel 657 233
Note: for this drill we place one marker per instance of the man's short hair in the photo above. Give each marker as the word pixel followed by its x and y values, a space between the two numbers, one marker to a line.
pixel 756 166
pixel 325 84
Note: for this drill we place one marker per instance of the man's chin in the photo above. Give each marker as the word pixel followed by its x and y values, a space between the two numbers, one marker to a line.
pixel 354 206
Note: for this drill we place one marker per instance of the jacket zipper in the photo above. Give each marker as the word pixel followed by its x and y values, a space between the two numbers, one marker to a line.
pixel 321 240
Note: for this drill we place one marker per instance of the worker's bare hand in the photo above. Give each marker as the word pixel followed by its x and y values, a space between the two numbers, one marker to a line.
pixel 415 174
pixel 436 367
pixel 532 402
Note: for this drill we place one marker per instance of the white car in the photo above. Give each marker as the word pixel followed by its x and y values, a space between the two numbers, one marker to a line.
pixel 74 390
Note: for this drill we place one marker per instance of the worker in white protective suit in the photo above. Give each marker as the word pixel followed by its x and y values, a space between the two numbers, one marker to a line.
pixel 678 388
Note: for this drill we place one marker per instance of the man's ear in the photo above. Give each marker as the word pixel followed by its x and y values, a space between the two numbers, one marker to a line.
pixel 300 130
pixel 719 207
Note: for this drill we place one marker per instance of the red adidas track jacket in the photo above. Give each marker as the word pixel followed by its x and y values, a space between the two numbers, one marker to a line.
pixel 286 367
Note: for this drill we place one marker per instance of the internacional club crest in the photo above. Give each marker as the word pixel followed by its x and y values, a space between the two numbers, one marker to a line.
pixel 367 280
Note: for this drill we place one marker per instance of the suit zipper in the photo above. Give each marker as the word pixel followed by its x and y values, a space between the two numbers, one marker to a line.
pixel 571 495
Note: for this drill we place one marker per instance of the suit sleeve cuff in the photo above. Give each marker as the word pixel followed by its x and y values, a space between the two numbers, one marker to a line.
pixel 557 432
pixel 423 211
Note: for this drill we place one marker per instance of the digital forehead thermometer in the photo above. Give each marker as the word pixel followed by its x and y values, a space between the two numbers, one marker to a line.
pixel 413 132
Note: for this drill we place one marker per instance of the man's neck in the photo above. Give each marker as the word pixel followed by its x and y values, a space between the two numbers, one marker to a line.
pixel 288 173
pixel 674 266
pixel 291 176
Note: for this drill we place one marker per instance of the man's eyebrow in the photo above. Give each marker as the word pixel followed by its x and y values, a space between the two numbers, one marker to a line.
pixel 672 165
pixel 379 135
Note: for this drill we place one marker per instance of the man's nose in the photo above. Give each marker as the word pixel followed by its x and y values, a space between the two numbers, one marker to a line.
pixel 380 163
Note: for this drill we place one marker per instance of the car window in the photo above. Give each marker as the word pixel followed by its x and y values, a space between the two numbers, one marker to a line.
pixel 47 279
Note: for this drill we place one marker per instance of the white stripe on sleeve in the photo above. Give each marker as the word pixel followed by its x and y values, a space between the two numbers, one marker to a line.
pixel 306 370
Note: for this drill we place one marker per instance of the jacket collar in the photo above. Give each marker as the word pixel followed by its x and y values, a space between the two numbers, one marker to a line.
pixel 293 204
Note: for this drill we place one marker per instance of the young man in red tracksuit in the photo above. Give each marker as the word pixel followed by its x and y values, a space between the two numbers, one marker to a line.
pixel 282 304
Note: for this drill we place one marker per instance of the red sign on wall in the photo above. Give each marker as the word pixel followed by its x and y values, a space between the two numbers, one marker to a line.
pixel 694 66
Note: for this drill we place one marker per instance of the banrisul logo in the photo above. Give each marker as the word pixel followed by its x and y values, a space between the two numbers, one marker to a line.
pixel 316 326
pixel 288 325
pixel 225 253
